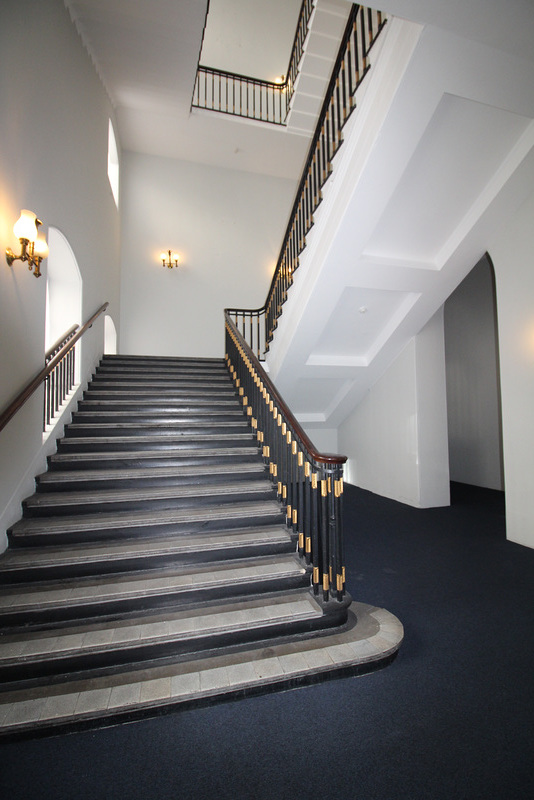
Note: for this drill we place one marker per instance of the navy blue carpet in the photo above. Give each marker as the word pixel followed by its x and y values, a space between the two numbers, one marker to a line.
pixel 450 719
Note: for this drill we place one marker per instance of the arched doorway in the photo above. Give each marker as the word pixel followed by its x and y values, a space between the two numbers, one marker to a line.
pixel 110 336
pixel 473 380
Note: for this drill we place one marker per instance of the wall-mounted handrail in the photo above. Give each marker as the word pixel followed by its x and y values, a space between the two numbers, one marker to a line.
pixel 308 483
pixel 352 64
pixel 42 375
pixel 60 342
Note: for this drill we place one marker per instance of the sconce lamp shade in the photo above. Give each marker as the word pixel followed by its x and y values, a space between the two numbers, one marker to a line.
pixel 26 226
pixel 40 248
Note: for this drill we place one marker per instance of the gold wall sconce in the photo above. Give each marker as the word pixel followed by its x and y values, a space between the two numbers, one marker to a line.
pixel 169 259
pixel 33 243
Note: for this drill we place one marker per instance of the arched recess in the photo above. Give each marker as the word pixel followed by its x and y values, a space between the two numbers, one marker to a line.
pixel 63 291
pixel 110 336
pixel 473 380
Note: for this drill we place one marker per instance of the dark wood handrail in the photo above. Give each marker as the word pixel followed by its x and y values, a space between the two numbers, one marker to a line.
pixel 320 458
pixel 41 376
pixel 52 350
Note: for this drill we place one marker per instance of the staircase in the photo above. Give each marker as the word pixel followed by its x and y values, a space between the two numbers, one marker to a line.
pixel 154 539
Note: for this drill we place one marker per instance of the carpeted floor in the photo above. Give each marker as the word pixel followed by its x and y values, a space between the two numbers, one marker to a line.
pixel 451 718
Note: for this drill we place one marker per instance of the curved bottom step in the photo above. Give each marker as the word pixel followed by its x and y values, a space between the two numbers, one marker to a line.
pixel 369 641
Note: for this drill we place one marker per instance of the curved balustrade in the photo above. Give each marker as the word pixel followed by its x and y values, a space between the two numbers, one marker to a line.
pixel 308 483
pixel 60 366
pixel 361 32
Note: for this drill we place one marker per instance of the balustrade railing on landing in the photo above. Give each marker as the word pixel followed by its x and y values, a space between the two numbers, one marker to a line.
pixel 252 98
pixel 58 375
pixel 352 64
pixel 308 483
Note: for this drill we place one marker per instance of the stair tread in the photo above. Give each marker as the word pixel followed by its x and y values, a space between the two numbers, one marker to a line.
pixel 57 555
pixel 50 499
pixel 205 437
pixel 139 629
pixel 183 405
pixel 147 472
pixel 73 593
pixel 166 425
pixel 129 454
pixel 169 417
pixel 88 522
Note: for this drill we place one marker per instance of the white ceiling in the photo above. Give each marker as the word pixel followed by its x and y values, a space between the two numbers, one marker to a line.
pixel 250 37
pixel 146 53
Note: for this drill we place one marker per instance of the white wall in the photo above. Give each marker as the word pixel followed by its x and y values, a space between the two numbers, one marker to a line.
pixel 226 226
pixel 53 160
pixel 473 385
pixel 396 438
pixel 511 252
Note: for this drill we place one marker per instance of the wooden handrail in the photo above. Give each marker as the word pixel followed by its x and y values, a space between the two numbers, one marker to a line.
pixel 41 376
pixel 320 458
pixel 52 350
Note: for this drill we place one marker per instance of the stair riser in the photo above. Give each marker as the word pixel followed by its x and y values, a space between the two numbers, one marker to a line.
pixel 156 504
pixel 166 428
pixel 125 531
pixel 230 406
pixel 14 620
pixel 12 677
pixel 78 445
pixel 164 417
pixel 181 387
pixel 179 380
pixel 119 482
pixel 199 389
pixel 116 358
pixel 134 565
pixel 161 460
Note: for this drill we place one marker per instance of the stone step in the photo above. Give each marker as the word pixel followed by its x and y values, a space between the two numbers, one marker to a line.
pixel 25 564
pixel 164 360
pixel 139 391
pixel 108 643
pixel 160 497
pixel 73 480
pixel 178 417
pixel 68 705
pixel 157 376
pixel 183 385
pixel 170 441
pixel 230 405
pixel 132 459
pixel 54 602
pixel 159 428
pixel 98 527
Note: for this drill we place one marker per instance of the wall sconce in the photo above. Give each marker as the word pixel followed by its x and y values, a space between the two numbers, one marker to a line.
pixel 169 259
pixel 33 243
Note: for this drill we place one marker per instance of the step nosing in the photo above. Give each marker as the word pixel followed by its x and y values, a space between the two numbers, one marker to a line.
pixel 137 518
